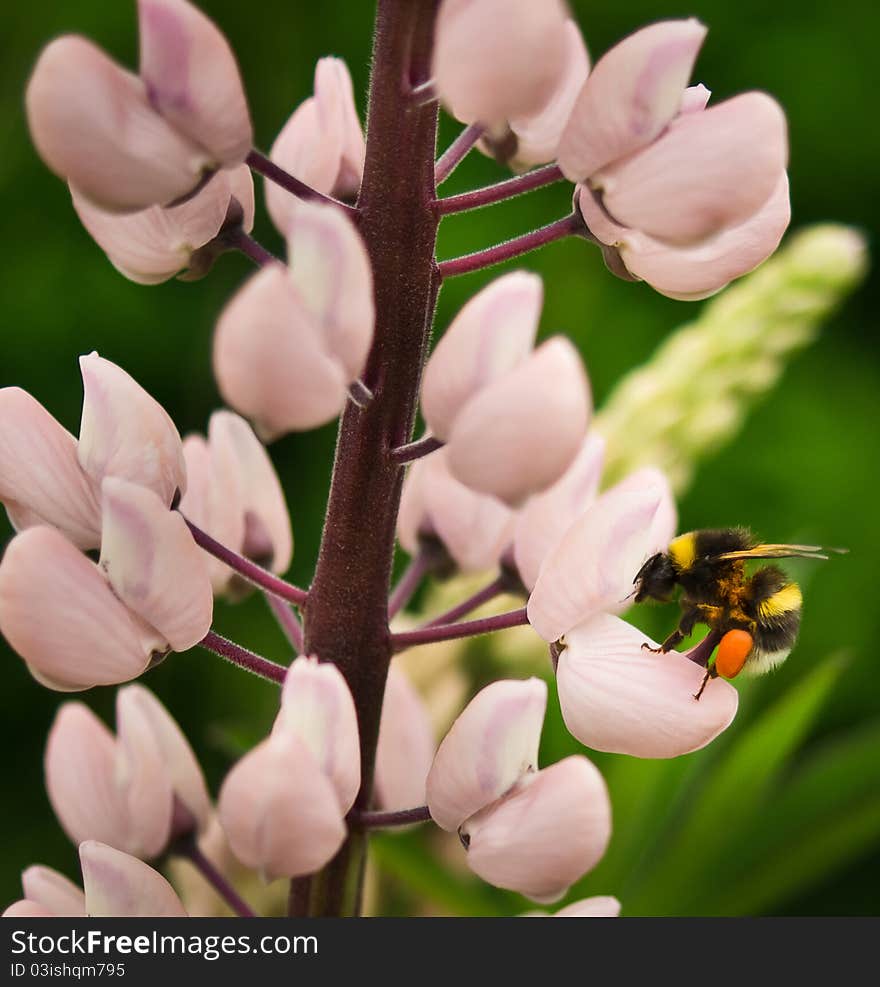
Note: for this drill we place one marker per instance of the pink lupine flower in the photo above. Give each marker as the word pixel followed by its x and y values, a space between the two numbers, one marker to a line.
pixel 130 791
pixel 153 565
pixel 118 885
pixel 322 144
pixel 599 906
pixel 615 696
pixel 192 78
pixel 591 568
pixel 406 746
pixel 687 198
pixel 280 811
pixel 291 341
pixel 473 528
pixel 126 433
pixel 520 433
pixel 537 135
pixel 498 59
pixel 41 481
pixel 493 333
pixel 156 244
pixel 530 831
pixel 59 613
pixel 47 894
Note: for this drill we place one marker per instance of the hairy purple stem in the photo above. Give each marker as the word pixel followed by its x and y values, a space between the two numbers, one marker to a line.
pixel 419 566
pixel 416 450
pixel 452 157
pixel 487 593
pixel 244 242
pixel 189 849
pixel 242 658
pixel 250 571
pixel 567 226
pixel 287 621
pixel 499 192
pixel 383 820
pixel 266 167
pixel 468 628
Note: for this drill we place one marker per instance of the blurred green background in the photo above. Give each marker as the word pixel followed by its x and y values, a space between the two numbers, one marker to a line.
pixel 780 816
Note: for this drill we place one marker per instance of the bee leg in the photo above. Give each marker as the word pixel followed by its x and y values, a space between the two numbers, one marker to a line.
pixel 710 674
pixel 676 637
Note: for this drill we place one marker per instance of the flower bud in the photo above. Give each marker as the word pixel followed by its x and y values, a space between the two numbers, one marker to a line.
pixel 153 564
pixel 498 59
pixel 54 892
pixel 94 126
pixel 591 569
pixel 492 744
pixel 317 708
pixel 192 78
pixel 474 528
pixel 492 334
pixel 616 696
pixel 322 144
pixel 520 433
pixel 41 481
pixel 125 433
pixel 545 834
pixel 599 906
pixel 155 244
pixel 59 614
pixel 118 885
pixel 279 809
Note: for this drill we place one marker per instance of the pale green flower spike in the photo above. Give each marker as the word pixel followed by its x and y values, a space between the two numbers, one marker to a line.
pixel 698 387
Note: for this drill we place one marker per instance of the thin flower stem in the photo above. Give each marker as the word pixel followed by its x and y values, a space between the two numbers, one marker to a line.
pixel 487 593
pixel 499 192
pixel 415 450
pixel 250 571
pixel 450 159
pixel 287 621
pixel 189 849
pixel 419 566
pixel 239 240
pixel 248 660
pixel 264 166
pixel 468 628
pixel 383 820
pixel 567 226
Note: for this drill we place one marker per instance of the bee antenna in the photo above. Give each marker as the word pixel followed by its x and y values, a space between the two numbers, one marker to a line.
pixel 629 596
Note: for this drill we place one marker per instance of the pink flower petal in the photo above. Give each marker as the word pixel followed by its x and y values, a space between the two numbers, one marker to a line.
pixel 271 361
pixel 617 697
pixel 492 334
pixel 491 745
pixel 280 811
pixel 544 835
pixel 694 99
pixel 193 79
pixel 474 528
pixel 632 94
pixel 520 433
pixel 591 569
pixel 27 909
pixel 330 268
pixel 240 456
pixel 406 746
pixel 125 433
pixel 498 59
pixel 710 170
pixel 153 564
pixel 93 125
pixel 121 886
pixel 600 906
pixel 40 477
pixel 59 614
pixel 58 895
pixel 317 708
pixel 547 516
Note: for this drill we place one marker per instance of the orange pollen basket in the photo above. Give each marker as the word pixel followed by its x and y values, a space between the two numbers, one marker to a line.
pixel 733 650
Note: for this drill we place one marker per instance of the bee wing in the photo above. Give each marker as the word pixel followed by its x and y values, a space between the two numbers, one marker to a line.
pixel 783 552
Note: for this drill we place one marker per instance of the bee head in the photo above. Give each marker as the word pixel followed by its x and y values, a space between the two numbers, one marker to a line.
pixel 656 579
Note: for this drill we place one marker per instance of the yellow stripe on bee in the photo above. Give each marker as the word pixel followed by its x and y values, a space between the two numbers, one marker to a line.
pixel 783 601
pixel 683 551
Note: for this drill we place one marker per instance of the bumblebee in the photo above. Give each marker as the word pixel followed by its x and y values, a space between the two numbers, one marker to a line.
pixel 753 620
